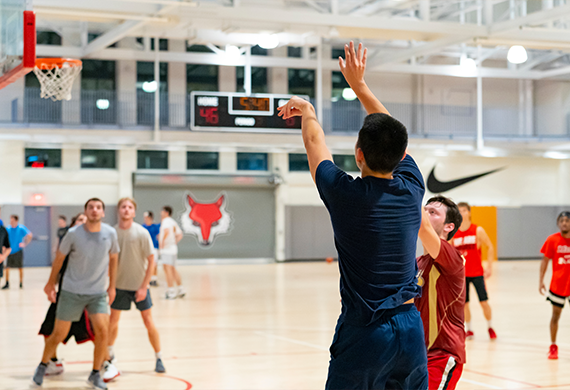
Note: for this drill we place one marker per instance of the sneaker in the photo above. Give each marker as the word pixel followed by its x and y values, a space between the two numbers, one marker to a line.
pixel 38 377
pixel 96 382
pixel 492 334
pixel 553 352
pixel 181 292
pixel 159 367
pixel 54 368
pixel 469 335
pixel 171 294
pixel 111 372
pixel 6 286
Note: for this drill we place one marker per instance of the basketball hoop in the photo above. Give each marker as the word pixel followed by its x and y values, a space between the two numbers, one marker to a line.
pixel 56 76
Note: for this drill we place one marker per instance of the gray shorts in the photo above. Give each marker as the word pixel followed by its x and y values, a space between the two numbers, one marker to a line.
pixel 168 259
pixel 70 305
pixel 15 260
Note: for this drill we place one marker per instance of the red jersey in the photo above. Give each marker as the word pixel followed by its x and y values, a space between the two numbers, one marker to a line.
pixel 466 244
pixel 557 248
pixel 442 302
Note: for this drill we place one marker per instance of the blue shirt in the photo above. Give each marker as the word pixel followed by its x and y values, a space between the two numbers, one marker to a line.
pixel 153 229
pixel 1 223
pixel 375 223
pixel 16 236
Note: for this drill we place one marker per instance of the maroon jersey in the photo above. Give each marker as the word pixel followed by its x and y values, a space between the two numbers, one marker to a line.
pixel 442 303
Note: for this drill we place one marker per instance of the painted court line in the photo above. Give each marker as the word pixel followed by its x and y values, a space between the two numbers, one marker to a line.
pixel 479 383
pixel 271 336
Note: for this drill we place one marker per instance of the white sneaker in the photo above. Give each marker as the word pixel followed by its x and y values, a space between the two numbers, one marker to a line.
pixel 54 368
pixel 171 294
pixel 111 372
pixel 181 292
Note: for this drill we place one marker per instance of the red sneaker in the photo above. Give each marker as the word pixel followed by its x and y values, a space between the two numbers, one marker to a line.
pixel 469 335
pixel 553 353
pixel 492 334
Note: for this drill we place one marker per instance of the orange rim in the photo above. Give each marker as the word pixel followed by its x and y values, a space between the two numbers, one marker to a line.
pixel 56 62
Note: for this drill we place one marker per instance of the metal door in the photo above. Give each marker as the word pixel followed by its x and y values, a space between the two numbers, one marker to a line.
pixel 38 252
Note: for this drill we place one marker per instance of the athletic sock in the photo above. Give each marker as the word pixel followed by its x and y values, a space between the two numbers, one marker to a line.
pixel 54 359
pixel 43 364
pixel 94 372
pixel 111 352
pixel 158 355
pixel 490 324
pixel 468 325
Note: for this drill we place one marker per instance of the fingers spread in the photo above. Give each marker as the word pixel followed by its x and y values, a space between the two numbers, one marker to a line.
pixel 364 55
pixel 359 55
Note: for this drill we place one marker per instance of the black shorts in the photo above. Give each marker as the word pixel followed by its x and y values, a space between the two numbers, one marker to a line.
pixel 81 330
pixel 15 260
pixel 555 299
pixel 124 298
pixel 479 283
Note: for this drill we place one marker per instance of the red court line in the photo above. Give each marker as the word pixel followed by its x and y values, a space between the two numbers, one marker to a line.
pixel 188 384
pixel 503 378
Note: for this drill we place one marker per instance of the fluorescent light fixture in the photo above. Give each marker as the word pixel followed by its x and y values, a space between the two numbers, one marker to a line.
pixel 556 155
pixel 348 94
pixel 102 104
pixel 150 86
pixel 517 54
pixel 267 41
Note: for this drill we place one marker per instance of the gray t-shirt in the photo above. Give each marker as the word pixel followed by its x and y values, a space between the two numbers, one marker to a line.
pixel 136 247
pixel 88 266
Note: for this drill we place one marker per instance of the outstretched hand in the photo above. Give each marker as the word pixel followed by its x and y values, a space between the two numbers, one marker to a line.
pixel 355 64
pixel 294 107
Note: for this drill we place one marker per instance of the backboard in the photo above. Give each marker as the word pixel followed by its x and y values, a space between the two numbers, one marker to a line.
pixel 17 40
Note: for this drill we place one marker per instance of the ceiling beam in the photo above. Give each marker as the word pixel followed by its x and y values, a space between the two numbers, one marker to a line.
pixel 530 19
pixel 112 36
pixel 548 57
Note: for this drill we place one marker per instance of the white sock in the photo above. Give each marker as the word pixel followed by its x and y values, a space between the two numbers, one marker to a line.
pixel 111 351
pixel 158 355
pixel 153 277
pixel 468 325
pixel 180 288
pixel 489 324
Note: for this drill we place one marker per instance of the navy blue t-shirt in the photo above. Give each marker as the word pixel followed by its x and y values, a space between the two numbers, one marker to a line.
pixel 375 223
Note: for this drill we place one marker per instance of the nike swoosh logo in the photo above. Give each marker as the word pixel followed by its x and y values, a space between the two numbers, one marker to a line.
pixel 435 186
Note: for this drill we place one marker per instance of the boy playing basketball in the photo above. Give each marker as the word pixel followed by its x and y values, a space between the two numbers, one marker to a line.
pixel 557 249
pixel 379 339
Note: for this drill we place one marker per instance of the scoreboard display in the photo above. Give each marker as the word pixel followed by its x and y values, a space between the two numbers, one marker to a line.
pixel 218 111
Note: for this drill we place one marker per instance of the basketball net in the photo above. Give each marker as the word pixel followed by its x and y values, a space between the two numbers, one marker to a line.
pixel 56 76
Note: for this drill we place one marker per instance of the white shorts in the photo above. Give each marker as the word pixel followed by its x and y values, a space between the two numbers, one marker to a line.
pixel 156 256
pixel 168 259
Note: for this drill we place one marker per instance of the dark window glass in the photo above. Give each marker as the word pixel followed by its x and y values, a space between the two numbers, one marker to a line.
pixel 146 87
pixel 37 109
pixel 48 38
pixel 202 160
pixel 252 161
pixel 152 159
pixel 337 53
pixel 298 162
pixel 258 51
pixel 294 52
pixel 43 158
pixel 98 98
pixel 98 75
pixel 199 48
pixel 338 85
pixel 346 162
pixel 96 158
pixel 202 77
pixel 162 42
pixel 302 82
pixel 93 36
pixel 258 79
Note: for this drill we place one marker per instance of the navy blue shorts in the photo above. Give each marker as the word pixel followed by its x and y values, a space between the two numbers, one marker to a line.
pixel 124 298
pixel 388 354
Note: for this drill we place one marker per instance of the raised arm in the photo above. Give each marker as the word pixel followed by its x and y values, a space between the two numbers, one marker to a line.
pixel 430 239
pixel 313 134
pixel 353 69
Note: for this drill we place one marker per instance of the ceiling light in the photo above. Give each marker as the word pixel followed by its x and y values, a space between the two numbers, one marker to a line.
pixel 517 54
pixel 232 51
pixel 149 86
pixel 348 94
pixel 467 63
pixel 267 41
pixel 102 104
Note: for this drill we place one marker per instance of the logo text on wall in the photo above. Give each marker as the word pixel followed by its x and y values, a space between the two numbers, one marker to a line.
pixel 206 221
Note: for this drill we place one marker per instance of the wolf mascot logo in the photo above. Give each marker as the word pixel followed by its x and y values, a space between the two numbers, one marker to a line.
pixel 206 221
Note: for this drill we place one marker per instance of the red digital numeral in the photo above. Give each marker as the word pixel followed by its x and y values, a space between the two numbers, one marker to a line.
pixel 210 114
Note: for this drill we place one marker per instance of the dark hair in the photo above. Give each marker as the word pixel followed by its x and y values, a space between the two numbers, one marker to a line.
pixel 63 217
pixel 562 215
pixel 383 141
pixel 464 204
pixel 15 217
pixel 168 209
pixel 74 219
pixel 149 214
pixel 452 215
pixel 94 200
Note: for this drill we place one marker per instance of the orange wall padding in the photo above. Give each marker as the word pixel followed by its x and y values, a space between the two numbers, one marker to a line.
pixel 486 217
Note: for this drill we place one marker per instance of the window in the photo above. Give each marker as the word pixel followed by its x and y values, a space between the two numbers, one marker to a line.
pixel 37 109
pixel 252 161
pixel 93 36
pixel 202 160
pixel 48 38
pixel 346 162
pixel 258 51
pixel 42 158
pixel 202 77
pixel 339 84
pixel 163 43
pixel 198 48
pixel 298 162
pixel 152 159
pixel 337 53
pixel 258 79
pixel 98 75
pixel 98 99
pixel 294 52
pixel 302 82
pixel 95 158
pixel 146 87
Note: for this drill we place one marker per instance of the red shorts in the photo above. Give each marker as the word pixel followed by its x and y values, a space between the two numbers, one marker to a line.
pixel 444 372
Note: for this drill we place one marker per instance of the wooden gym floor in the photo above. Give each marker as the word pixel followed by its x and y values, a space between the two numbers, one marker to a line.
pixel 269 327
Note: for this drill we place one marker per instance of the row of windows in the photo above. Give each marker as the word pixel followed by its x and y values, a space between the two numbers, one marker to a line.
pixel 158 159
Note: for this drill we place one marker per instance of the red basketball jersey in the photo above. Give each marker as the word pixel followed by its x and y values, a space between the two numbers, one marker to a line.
pixel 557 248
pixel 442 302
pixel 466 244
